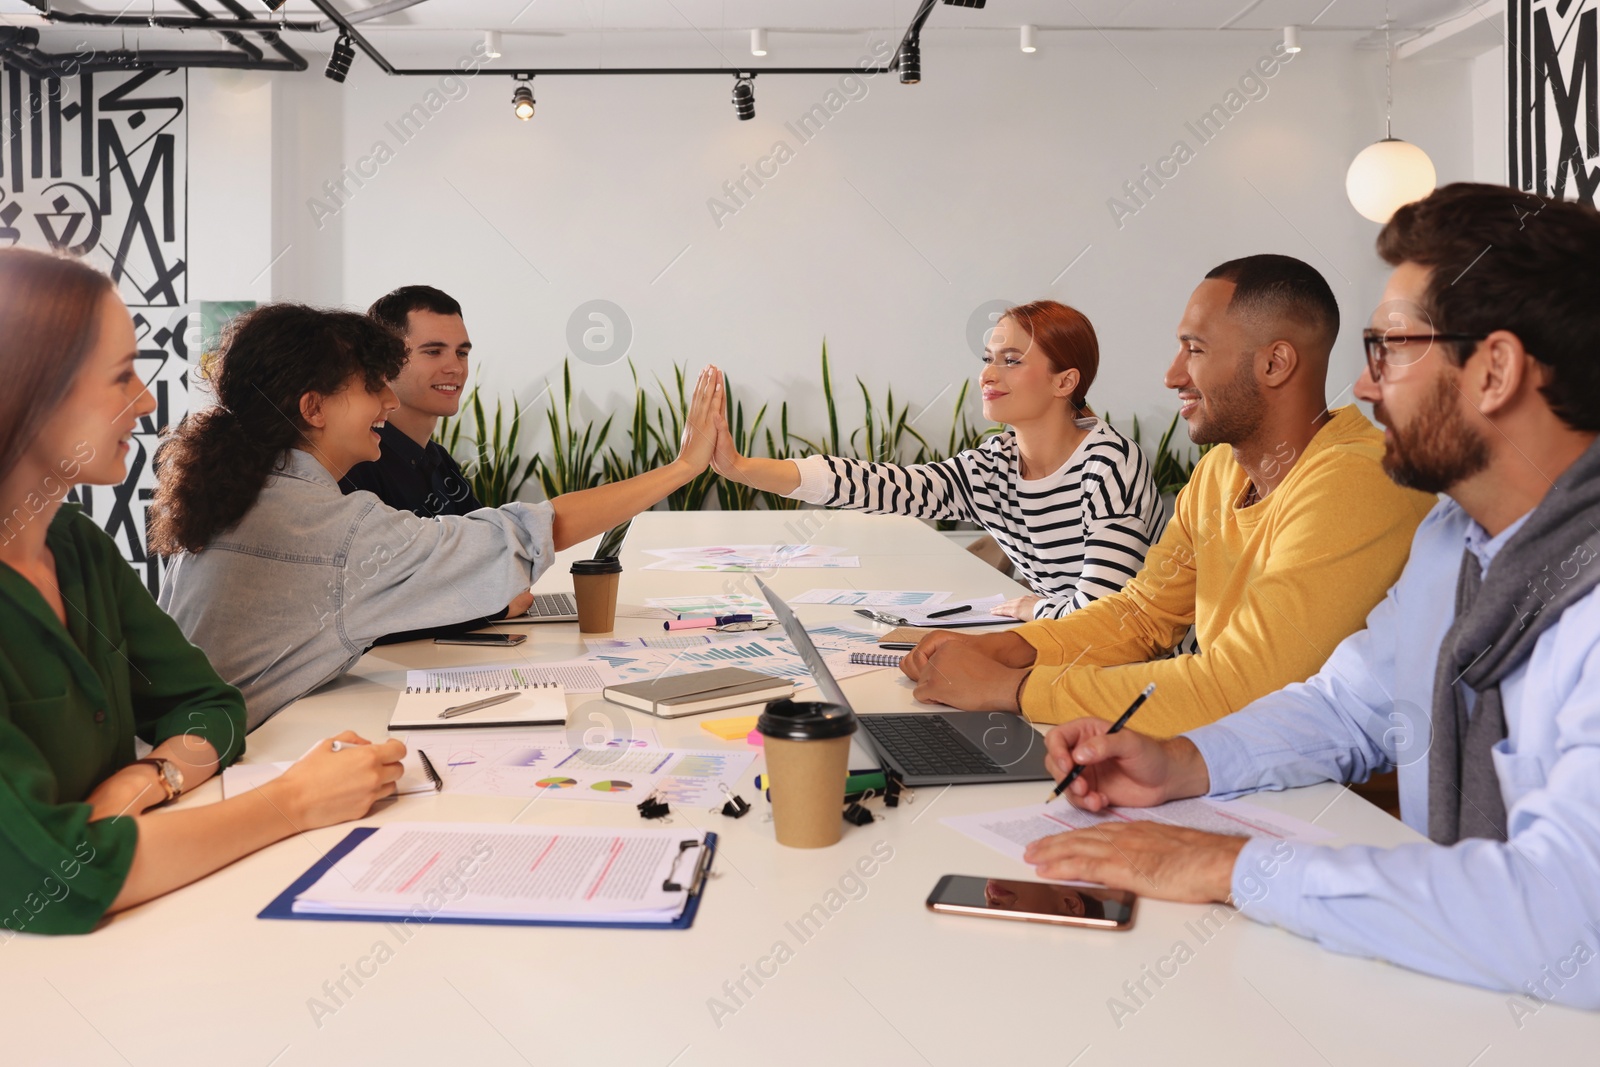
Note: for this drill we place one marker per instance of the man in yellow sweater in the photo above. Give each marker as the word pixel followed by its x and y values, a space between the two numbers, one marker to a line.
pixel 1279 546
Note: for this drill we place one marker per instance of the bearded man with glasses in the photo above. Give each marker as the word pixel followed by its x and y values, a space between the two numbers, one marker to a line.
pixel 1477 676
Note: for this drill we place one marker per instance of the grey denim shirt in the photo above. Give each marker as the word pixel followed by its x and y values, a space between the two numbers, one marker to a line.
pixel 291 596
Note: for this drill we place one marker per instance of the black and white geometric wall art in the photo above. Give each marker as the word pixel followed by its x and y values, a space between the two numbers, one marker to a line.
pixel 1553 98
pixel 97 165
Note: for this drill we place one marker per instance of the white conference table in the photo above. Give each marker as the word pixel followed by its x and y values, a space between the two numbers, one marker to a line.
pixel 195 977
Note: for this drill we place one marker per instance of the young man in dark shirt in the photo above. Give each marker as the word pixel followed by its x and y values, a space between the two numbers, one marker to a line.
pixel 414 472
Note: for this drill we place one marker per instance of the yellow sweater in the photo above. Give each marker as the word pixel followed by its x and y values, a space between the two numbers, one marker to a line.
pixel 1270 589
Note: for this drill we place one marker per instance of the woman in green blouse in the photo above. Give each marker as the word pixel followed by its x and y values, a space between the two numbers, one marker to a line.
pixel 88 662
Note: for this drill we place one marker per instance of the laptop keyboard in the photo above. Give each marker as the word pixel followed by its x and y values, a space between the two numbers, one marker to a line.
pixel 928 745
pixel 546 604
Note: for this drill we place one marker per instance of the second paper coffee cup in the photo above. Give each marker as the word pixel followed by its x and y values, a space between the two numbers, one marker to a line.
pixel 594 586
pixel 808 756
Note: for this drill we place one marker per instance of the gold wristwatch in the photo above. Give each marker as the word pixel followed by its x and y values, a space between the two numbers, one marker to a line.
pixel 168 774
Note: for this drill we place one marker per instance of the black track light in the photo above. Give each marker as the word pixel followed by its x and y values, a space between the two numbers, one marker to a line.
pixel 744 97
pixel 339 60
pixel 909 62
pixel 522 99
pixel 272 5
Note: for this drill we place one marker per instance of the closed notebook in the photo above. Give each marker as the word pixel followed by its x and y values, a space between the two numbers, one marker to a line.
pixel 423 706
pixel 687 694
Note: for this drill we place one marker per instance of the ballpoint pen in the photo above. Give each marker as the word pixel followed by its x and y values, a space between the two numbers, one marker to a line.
pixel 486 702
pixel 947 612
pixel 883 617
pixel 1122 720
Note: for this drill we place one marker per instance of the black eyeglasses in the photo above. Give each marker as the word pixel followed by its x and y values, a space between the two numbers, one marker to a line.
pixel 1385 348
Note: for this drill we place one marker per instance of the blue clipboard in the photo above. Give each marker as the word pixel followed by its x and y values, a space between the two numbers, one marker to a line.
pixel 282 906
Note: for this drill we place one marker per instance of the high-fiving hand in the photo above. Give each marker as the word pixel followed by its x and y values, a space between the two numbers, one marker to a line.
pixel 700 427
pixel 725 459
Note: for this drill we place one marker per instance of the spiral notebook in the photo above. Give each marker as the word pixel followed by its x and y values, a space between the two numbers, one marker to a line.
pixel 436 699
pixel 420 776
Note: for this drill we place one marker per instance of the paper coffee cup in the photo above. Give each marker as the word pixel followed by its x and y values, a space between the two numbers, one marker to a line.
pixel 807 746
pixel 594 586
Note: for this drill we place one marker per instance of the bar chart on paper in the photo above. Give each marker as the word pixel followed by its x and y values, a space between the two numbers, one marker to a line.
pixel 755 655
pixel 484 763
pixel 873 598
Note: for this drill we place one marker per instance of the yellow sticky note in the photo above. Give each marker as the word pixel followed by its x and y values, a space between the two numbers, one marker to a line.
pixel 731 729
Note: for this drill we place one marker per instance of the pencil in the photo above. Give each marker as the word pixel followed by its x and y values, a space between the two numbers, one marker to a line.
pixel 1122 720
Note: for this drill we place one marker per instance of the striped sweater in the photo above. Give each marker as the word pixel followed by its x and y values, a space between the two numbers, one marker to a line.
pixel 1074 535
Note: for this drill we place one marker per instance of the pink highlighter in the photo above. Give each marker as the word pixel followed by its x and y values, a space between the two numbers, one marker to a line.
pixel 690 624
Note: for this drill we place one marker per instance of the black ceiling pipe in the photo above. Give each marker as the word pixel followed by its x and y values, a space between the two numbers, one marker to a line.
pixel 230 36
pixel 268 32
pixel 349 30
pixel 294 61
pixel 18 47
pixel 273 41
pixel 177 22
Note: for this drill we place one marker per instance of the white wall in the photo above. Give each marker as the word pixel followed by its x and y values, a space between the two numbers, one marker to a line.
pixel 910 209
pixel 230 185
pixel 1489 116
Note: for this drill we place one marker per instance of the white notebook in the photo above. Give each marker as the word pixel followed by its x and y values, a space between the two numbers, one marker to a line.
pixel 243 777
pixel 430 694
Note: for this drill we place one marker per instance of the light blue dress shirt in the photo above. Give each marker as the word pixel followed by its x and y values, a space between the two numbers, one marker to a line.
pixel 1521 915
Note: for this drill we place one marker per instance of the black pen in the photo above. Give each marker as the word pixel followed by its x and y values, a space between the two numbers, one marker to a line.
pixel 949 611
pixel 1122 720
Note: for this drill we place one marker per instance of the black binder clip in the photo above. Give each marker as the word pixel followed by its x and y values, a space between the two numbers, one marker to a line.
pixel 857 815
pixel 653 807
pixel 735 807
pixel 894 789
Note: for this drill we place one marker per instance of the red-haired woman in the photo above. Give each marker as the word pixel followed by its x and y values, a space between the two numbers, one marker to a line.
pixel 1069 499
pixel 89 665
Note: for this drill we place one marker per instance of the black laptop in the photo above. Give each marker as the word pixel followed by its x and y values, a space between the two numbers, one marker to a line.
pixel 930 748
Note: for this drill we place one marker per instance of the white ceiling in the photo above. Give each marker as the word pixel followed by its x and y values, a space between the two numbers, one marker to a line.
pixel 580 32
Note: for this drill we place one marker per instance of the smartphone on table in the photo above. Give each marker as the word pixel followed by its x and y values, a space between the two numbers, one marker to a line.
pixel 500 640
pixel 1034 902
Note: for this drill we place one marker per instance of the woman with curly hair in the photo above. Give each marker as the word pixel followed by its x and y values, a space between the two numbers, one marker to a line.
pixel 89 665
pixel 284 580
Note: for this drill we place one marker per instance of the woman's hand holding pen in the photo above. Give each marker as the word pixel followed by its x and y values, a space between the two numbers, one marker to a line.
pixel 335 784
pixel 1125 768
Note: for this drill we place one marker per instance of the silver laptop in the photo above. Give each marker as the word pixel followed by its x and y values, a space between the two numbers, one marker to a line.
pixel 930 748
pixel 563 607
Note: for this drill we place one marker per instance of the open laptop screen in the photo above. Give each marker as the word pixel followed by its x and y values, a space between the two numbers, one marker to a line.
pixel 808 651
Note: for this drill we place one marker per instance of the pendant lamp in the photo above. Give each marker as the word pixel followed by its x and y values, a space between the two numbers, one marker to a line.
pixel 1390 173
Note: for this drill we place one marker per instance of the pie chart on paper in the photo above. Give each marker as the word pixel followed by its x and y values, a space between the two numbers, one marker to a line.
pixel 556 783
pixel 612 786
